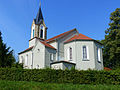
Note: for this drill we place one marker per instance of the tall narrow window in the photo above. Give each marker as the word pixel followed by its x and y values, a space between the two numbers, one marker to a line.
pixel 22 60
pixel 51 56
pixel 98 54
pixel 84 53
pixel 41 32
pixel 33 33
pixel 26 60
pixel 70 52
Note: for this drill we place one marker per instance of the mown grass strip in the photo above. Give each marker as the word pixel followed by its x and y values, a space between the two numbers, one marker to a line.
pixel 22 85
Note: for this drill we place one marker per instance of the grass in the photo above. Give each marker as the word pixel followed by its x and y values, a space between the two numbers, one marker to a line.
pixel 21 85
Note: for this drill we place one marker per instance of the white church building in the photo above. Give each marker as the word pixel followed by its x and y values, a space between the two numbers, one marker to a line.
pixel 67 50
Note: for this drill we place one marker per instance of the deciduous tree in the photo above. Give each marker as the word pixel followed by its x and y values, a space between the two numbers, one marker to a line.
pixel 111 50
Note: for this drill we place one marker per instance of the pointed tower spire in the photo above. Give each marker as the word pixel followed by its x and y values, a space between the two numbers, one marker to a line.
pixel 39 29
pixel 39 16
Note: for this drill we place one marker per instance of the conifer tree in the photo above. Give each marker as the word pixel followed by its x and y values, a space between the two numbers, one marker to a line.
pixel 111 50
pixel 6 57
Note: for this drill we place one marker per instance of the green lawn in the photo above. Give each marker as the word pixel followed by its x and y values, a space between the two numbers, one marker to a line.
pixel 13 85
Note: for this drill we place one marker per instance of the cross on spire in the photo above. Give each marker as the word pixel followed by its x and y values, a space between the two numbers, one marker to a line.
pixel 40 4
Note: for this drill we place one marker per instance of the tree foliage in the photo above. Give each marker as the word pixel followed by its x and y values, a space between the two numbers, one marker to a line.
pixel 111 50
pixel 6 55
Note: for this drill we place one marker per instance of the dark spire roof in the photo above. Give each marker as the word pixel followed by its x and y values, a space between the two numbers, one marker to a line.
pixel 39 16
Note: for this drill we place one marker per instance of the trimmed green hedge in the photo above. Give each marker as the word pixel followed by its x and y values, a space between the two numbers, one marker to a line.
pixel 61 76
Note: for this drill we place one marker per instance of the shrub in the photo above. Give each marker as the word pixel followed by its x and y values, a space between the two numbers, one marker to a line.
pixel 61 76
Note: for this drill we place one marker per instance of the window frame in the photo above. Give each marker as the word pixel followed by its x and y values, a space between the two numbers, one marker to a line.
pixel 41 31
pixel 51 56
pixel 26 60
pixel 85 53
pixel 70 53
pixel 33 33
pixel 98 54
pixel 22 59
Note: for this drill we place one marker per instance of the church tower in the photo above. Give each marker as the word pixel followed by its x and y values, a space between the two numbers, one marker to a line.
pixel 38 28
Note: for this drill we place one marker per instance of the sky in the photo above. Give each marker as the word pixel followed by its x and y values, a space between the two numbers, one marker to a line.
pixel 90 17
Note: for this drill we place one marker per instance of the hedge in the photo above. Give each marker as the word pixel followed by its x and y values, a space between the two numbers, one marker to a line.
pixel 61 76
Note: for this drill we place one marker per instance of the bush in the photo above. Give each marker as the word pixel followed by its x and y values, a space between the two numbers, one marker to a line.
pixel 61 76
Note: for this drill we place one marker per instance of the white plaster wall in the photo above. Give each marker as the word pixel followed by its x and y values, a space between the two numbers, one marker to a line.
pixel 61 41
pixel 78 54
pixel 32 42
pixel 55 45
pixel 57 66
pixel 98 65
pixel 80 63
pixel 66 47
pixel 39 56
pixel 49 51
pixel 29 64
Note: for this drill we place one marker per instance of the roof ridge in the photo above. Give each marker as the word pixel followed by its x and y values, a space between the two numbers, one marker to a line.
pixel 47 45
pixel 26 49
pixel 60 35
pixel 79 37
pixel 83 36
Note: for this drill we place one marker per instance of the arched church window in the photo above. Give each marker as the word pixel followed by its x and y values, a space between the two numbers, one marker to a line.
pixel 26 60
pixel 41 32
pixel 69 53
pixel 51 57
pixel 70 49
pixel 98 54
pixel 22 60
pixel 41 27
pixel 84 52
pixel 33 32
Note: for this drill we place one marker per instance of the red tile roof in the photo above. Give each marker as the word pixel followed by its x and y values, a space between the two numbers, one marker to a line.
pixel 58 36
pixel 47 45
pixel 26 50
pixel 79 37
pixel 43 42
pixel 107 69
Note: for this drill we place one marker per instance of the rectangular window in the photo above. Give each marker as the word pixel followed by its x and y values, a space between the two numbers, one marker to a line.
pixel 84 53
pixel 51 57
